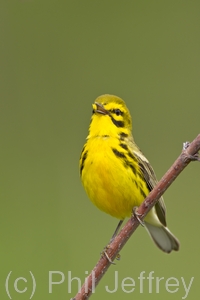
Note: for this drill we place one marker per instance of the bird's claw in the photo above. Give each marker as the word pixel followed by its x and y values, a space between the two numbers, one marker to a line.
pixel 106 254
pixel 137 215
pixel 194 157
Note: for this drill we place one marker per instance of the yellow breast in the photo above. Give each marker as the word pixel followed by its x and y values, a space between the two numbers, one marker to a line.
pixel 112 183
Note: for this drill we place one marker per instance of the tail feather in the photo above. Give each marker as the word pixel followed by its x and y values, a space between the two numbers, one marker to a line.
pixel 162 237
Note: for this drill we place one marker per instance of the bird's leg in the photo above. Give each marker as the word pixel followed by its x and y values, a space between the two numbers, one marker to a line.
pixel 116 231
pixel 112 238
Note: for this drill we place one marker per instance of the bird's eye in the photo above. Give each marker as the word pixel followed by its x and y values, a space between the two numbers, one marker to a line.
pixel 118 112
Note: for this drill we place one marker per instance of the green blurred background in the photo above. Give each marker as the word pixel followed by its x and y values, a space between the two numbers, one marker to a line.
pixel 56 58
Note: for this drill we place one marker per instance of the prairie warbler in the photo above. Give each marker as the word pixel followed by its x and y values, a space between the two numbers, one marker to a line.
pixel 115 174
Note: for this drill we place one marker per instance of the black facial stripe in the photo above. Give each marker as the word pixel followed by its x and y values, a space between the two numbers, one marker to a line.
pixel 117 123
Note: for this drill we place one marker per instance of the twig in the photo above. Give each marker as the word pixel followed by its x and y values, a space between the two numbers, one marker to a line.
pixel 189 153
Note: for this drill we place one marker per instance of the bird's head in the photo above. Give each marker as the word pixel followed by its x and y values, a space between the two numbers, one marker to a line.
pixel 110 117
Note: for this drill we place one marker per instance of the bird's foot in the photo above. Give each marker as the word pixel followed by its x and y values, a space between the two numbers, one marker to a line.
pixel 137 215
pixel 194 157
pixel 104 252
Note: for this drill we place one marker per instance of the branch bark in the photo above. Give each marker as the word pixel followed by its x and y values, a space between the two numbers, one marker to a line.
pixel 189 153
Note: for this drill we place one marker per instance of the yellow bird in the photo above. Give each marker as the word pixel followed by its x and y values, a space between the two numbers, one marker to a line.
pixel 116 175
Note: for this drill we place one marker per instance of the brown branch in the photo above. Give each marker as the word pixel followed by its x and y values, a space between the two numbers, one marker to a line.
pixel 189 154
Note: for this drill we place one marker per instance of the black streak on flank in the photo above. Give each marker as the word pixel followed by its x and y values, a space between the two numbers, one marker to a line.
pixel 122 136
pixel 117 123
pixel 135 181
pixel 132 156
pixel 127 164
pixel 143 193
pixel 141 176
pixel 83 160
pixel 118 154
pixel 133 169
pixel 83 149
pixel 124 146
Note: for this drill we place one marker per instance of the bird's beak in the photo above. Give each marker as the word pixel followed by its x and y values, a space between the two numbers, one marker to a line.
pixel 97 107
